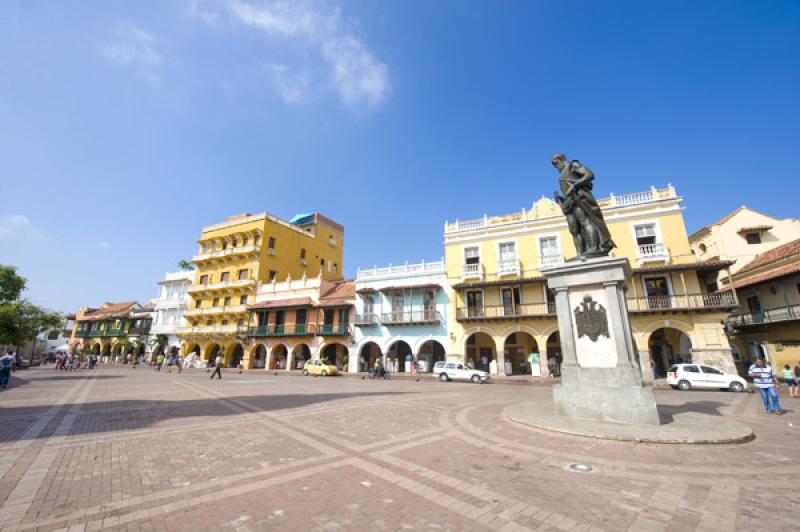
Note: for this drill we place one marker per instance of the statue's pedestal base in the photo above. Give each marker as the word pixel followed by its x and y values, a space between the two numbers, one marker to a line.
pixel 600 378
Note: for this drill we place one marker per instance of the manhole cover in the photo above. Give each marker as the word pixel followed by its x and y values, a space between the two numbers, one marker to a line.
pixel 580 468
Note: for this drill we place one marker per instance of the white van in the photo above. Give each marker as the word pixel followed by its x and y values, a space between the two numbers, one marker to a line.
pixel 453 371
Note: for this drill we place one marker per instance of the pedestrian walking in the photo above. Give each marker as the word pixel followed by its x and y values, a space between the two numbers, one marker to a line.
pixel 76 363
pixel 217 367
pixel 764 380
pixel 7 363
pixel 159 362
pixel 179 363
pixel 789 380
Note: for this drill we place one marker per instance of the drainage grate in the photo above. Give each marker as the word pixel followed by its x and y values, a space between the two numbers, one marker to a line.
pixel 580 468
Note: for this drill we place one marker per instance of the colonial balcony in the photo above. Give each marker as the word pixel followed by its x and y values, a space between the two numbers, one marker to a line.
pixel 551 260
pixel 174 302
pixel 229 253
pixel 164 328
pixel 212 329
pixel 297 329
pixel 652 252
pixel 504 312
pixel 107 332
pixel 227 309
pixel 709 302
pixel 402 271
pixel 366 320
pixel 411 317
pixel 139 331
pixel 82 333
pixel 767 316
pixel 508 267
pixel 472 271
pixel 243 283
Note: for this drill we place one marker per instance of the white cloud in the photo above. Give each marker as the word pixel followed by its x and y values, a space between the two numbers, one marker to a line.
pixel 200 10
pixel 291 87
pixel 129 46
pixel 18 226
pixel 358 76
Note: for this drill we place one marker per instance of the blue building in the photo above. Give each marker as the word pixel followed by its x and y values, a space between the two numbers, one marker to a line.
pixel 401 316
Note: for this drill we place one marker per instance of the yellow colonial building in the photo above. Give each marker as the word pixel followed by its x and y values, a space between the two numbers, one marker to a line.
pixel 234 258
pixel 502 311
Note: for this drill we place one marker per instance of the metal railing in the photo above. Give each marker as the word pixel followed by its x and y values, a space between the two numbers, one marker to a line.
pixel 298 329
pixel 508 267
pixel 402 270
pixel 771 315
pixel 366 319
pixel 691 301
pixel 505 311
pixel 224 284
pixel 225 329
pixel 227 309
pixel 405 317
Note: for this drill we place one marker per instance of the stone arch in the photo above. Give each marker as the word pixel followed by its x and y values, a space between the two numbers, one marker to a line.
pixel 645 332
pixel 462 340
pixel 553 354
pixel 301 353
pixel 480 350
pixel 667 346
pixel 279 356
pixel 258 356
pixel 371 352
pixel 429 353
pixel 335 353
pixel 516 348
pixel 397 355
pixel 210 352
pixel 234 355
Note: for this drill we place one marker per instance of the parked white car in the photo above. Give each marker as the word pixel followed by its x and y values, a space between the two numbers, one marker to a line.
pixel 454 371
pixel 688 376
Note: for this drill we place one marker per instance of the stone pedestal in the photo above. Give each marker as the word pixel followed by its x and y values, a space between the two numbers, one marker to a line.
pixel 600 377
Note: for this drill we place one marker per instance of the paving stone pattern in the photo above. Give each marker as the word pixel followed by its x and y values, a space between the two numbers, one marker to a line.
pixel 123 449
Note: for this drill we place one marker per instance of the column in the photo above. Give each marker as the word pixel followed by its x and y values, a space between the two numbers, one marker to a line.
pixel 568 352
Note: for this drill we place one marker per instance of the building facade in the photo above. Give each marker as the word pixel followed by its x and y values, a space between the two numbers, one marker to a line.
pixel 112 330
pixel 401 316
pixel 294 321
pixel 170 304
pixel 238 254
pixel 502 311
pixel 741 236
pixel 768 322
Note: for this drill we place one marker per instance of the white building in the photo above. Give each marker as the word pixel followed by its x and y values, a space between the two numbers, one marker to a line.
pixel 172 301
pixel 401 315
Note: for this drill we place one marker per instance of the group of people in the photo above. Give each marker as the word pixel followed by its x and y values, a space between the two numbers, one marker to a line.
pixel 71 362
pixel 766 382
pixel 171 360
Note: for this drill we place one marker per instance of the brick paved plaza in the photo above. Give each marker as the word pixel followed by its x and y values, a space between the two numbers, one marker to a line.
pixel 135 450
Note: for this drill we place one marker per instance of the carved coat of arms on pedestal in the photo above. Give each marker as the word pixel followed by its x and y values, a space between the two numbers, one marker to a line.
pixel 591 320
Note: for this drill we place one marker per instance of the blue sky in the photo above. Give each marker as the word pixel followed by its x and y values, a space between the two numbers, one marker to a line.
pixel 127 126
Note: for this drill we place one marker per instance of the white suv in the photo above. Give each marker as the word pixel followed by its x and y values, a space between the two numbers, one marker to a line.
pixel 688 376
pixel 451 371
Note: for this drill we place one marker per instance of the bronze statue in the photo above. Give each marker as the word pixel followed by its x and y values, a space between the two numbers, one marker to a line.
pixel 584 217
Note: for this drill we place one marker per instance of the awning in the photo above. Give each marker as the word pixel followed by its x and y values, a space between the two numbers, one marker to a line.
pixel 282 303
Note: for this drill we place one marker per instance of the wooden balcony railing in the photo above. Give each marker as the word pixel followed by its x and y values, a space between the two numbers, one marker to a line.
pixel 691 302
pixel 771 315
pixel 519 310
pixel 411 317
pixel 298 329
pixel 366 320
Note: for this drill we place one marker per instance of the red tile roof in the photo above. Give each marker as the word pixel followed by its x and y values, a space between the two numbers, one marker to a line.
pixel 768 257
pixel 283 303
pixel 110 310
pixel 782 271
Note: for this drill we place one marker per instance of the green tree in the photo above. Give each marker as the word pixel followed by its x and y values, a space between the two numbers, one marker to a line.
pixel 20 320
pixel 185 265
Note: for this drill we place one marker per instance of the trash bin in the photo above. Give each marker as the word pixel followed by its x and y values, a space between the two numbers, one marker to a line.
pixel 509 368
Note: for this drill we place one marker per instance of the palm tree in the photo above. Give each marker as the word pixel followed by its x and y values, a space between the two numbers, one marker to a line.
pixel 185 265
pixel 159 343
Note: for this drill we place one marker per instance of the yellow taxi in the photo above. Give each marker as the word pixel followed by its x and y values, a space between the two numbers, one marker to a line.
pixel 319 367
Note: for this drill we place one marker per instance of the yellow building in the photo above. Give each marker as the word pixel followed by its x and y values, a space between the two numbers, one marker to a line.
pixel 234 257
pixel 503 310
pixel 768 324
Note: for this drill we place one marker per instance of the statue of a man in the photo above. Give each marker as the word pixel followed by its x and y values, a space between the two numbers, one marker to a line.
pixel 584 217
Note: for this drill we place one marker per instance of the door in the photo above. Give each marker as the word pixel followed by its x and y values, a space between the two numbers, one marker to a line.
pixel 507 297
pixel 301 316
pixel 280 319
pixel 397 306
pixel 657 290
pixel 474 304
pixel 754 304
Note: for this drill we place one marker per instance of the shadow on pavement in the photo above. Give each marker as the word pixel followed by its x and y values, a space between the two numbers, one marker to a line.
pixel 134 414
pixel 666 412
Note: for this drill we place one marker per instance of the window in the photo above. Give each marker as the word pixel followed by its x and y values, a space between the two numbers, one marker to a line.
pixel 322 263
pixel 245 241
pixel 224 322
pixel 198 303
pixel 754 304
pixel 302 254
pixel 753 238
pixel 397 305
pixel 256 240
pixel 205 248
pixel 271 244
pixel 658 293
pixel 243 300
pixel 712 371
pixel 474 303
pixel 208 323
pixel 508 251
pixel 204 279
pixel 712 287
pixel 702 248
pixel 336 267
pixel 548 250
pixel 369 305
pixel 224 277
pixel 213 246
pixel 227 300
pixel 301 315
pixel 243 275
pixel 224 245
pixel 645 234
pixel 215 302
pixel 691 369
pixel 429 305
pixel 472 255
pixel 272 275
pixel 510 300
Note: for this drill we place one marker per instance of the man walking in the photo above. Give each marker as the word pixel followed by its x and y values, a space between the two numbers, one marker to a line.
pixel 764 379
pixel 217 367
pixel 7 362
